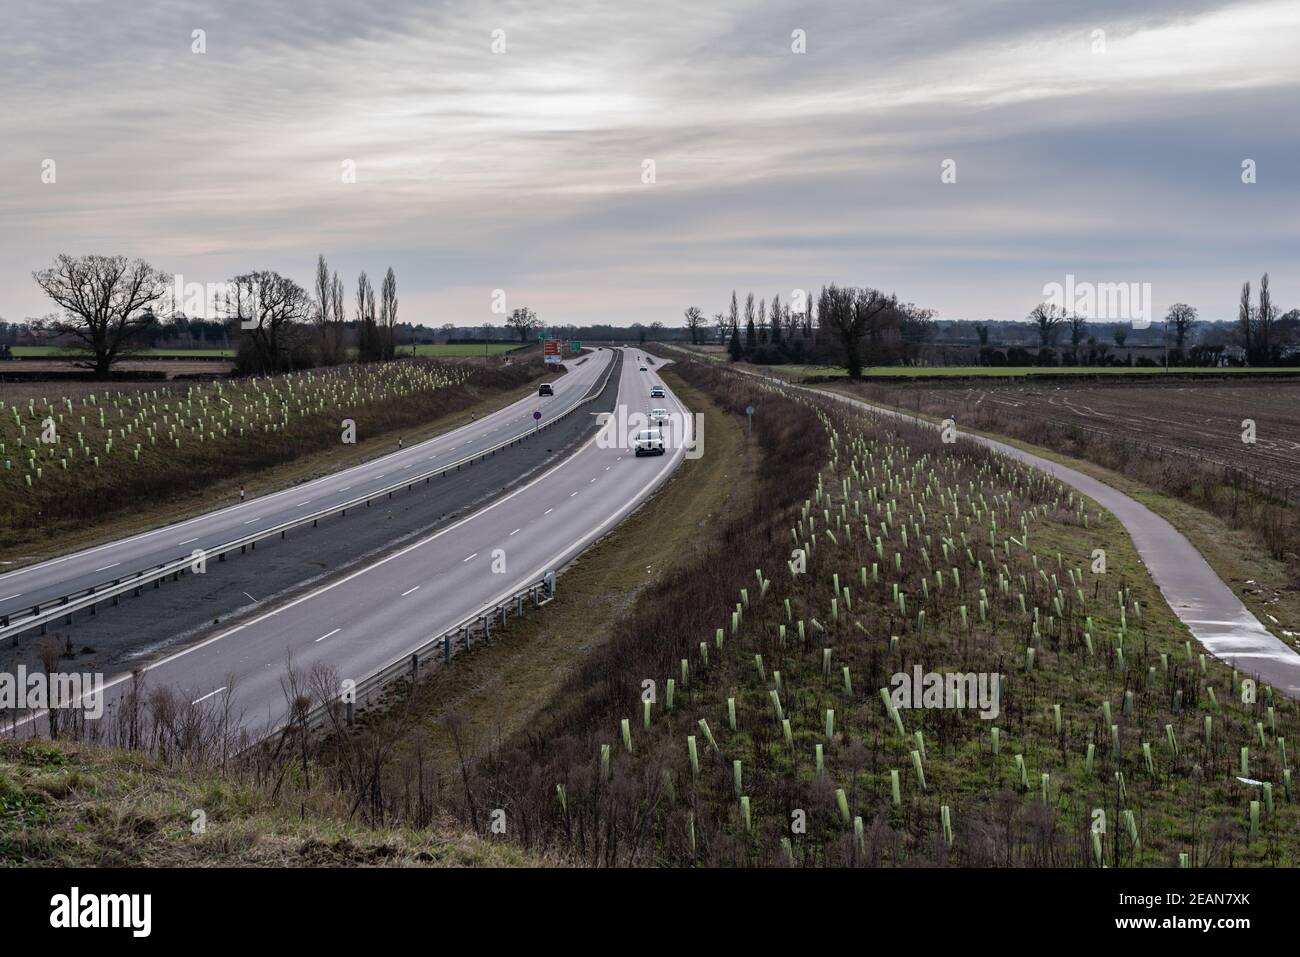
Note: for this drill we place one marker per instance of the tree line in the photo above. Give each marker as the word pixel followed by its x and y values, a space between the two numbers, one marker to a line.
pixel 856 327
pixel 109 306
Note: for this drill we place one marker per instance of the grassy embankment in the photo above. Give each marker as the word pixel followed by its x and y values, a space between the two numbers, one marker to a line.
pixel 75 805
pixel 177 451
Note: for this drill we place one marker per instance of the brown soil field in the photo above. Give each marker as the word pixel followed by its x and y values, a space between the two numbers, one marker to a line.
pixel 1203 421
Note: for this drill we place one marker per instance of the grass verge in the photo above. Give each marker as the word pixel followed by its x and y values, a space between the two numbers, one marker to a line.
pixel 75 805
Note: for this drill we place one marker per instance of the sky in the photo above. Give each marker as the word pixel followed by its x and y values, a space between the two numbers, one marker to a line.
pixel 508 146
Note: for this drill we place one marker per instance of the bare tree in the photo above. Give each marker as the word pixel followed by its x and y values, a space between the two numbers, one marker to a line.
pixel 850 315
pixel 324 302
pixel 720 321
pixel 388 314
pixel 1078 329
pixel 524 321
pixel 916 326
pixel 1264 319
pixel 733 316
pixel 1245 321
pixel 369 347
pixel 268 307
pixel 337 297
pixel 694 322
pixel 1048 319
pixel 1180 317
pixel 107 302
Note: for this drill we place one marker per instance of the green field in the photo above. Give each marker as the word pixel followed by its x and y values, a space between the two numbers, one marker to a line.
pixel 56 352
pixel 449 350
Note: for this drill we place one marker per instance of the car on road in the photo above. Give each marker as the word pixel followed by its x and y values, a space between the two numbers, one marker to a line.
pixel 643 369
pixel 657 392
pixel 649 442
pixel 658 415
pixel 546 389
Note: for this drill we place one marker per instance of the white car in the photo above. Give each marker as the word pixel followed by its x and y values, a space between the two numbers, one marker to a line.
pixel 649 442
pixel 658 415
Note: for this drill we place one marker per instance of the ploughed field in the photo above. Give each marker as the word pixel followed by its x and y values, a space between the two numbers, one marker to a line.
pixel 1200 420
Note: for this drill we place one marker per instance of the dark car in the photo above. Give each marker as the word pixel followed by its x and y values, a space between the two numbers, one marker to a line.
pixel 546 389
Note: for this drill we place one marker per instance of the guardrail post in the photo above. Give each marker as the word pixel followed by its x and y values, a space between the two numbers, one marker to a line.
pixel 446 647
pixel 350 709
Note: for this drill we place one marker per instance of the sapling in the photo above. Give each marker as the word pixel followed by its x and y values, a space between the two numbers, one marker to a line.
pixel 920 771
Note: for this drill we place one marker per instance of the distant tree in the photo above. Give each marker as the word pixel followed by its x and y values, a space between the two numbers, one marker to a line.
pixel 734 315
pixel 720 321
pixel 915 327
pixel 777 319
pixel 694 323
pixel 1265 317
pixel 108 304
pixel 388 316
pixel 982 331
pixel 369 346
pixel 269 308
pixel 751 335
pixel 762 321
pixel 339 321
pixel 323 311
pixel 1180 318
pixel 524 322
pixel 850 315
pixel 1047 318
pixel 733 347
pixel 1245 322
pixel 1120 334
pixel 1078 329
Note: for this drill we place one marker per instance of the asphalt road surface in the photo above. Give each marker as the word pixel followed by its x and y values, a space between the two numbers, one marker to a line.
pixel 24 587
pixel 384 611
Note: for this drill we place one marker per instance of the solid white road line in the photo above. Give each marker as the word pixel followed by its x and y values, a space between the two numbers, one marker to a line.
pixel 209 695
pixel 107 567
pixel 334 632
pixel 468 557
pixel 409 590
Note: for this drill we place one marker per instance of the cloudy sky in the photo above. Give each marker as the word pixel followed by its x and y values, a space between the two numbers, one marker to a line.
pixel 1114 157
